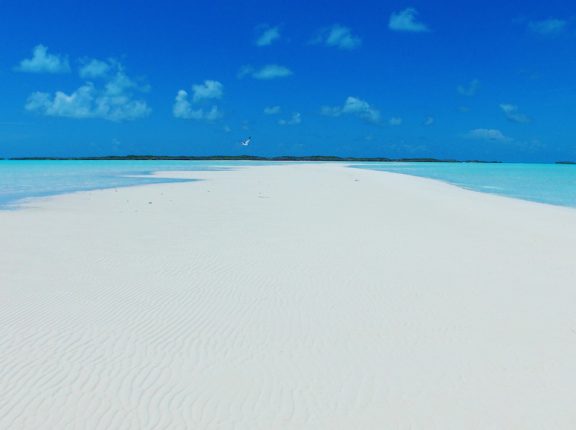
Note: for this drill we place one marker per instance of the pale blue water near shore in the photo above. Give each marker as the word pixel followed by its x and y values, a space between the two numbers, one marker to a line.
pixel 25 179
pixel 544 183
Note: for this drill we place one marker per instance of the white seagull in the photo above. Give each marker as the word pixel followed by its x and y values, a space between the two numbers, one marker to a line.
pixel 246 142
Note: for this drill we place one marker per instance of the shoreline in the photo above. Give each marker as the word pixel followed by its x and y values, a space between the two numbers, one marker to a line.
pixel 288 296
pixel 177 176
pixel 283 158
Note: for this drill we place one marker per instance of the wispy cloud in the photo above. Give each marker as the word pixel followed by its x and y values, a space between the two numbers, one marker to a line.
pixel 267 35
pixel 93 68
pixel 44 62
pixel 429 121
pixel 295 119
pixel 183 108
pixel 407 20
pixel 270 71
pixel 337 36
pixel 470 89
pixel 272 110
pixel 353 106
pixel 114 100
pixel 488 134
pixel 513 114
pixel 207 90
pixel 548 27
pixel 395 121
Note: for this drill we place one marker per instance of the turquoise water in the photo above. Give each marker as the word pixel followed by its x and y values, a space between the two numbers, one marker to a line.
pixel 544 183
pixel 25 179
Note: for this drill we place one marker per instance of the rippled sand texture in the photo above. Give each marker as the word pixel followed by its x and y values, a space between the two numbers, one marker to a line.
pixel 288 297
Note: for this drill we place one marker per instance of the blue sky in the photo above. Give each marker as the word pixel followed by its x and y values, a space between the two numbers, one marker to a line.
pixel 476 79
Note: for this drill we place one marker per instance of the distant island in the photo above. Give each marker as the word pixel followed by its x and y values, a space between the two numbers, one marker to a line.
pixel 252 158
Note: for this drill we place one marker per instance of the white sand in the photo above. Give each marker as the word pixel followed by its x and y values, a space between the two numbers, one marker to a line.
pixel 288 297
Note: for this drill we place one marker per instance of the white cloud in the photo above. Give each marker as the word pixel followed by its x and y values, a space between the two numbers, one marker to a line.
pixel 268 36
pixel 295 119
pixel 93 68
pixel 487 134
pixel 470 89
pixel 184 109
pixel 395 121
pixel 44 62
pixel 353 106
pixel 512 113
pixel 270 71
pixel 114 101
pixel 548 27
pixel 406 20
pixel 207 90
pixel 79 104
pixel 272 110
pixel 429 121
pixel 338 36
pixel 213 114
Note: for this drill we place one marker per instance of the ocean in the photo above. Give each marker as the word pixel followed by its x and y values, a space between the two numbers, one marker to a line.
pixel 544 183
pixel 553 184
pixel 26 179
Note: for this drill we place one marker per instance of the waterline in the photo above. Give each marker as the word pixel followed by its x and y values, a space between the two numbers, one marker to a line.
pixel 543 183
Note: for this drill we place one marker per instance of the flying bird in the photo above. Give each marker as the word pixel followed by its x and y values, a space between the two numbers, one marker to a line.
pixel 246 142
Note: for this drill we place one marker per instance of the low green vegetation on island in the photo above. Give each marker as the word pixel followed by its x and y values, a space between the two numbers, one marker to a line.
pixel 255 158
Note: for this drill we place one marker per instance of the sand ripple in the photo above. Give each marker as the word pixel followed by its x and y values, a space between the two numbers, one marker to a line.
pixel 332 303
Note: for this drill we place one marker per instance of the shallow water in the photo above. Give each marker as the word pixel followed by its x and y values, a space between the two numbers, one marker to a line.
pixel 544 183
pixel 25 179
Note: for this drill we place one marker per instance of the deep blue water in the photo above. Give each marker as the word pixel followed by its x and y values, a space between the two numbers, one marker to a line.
pixel 25 179
pixel 544 183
